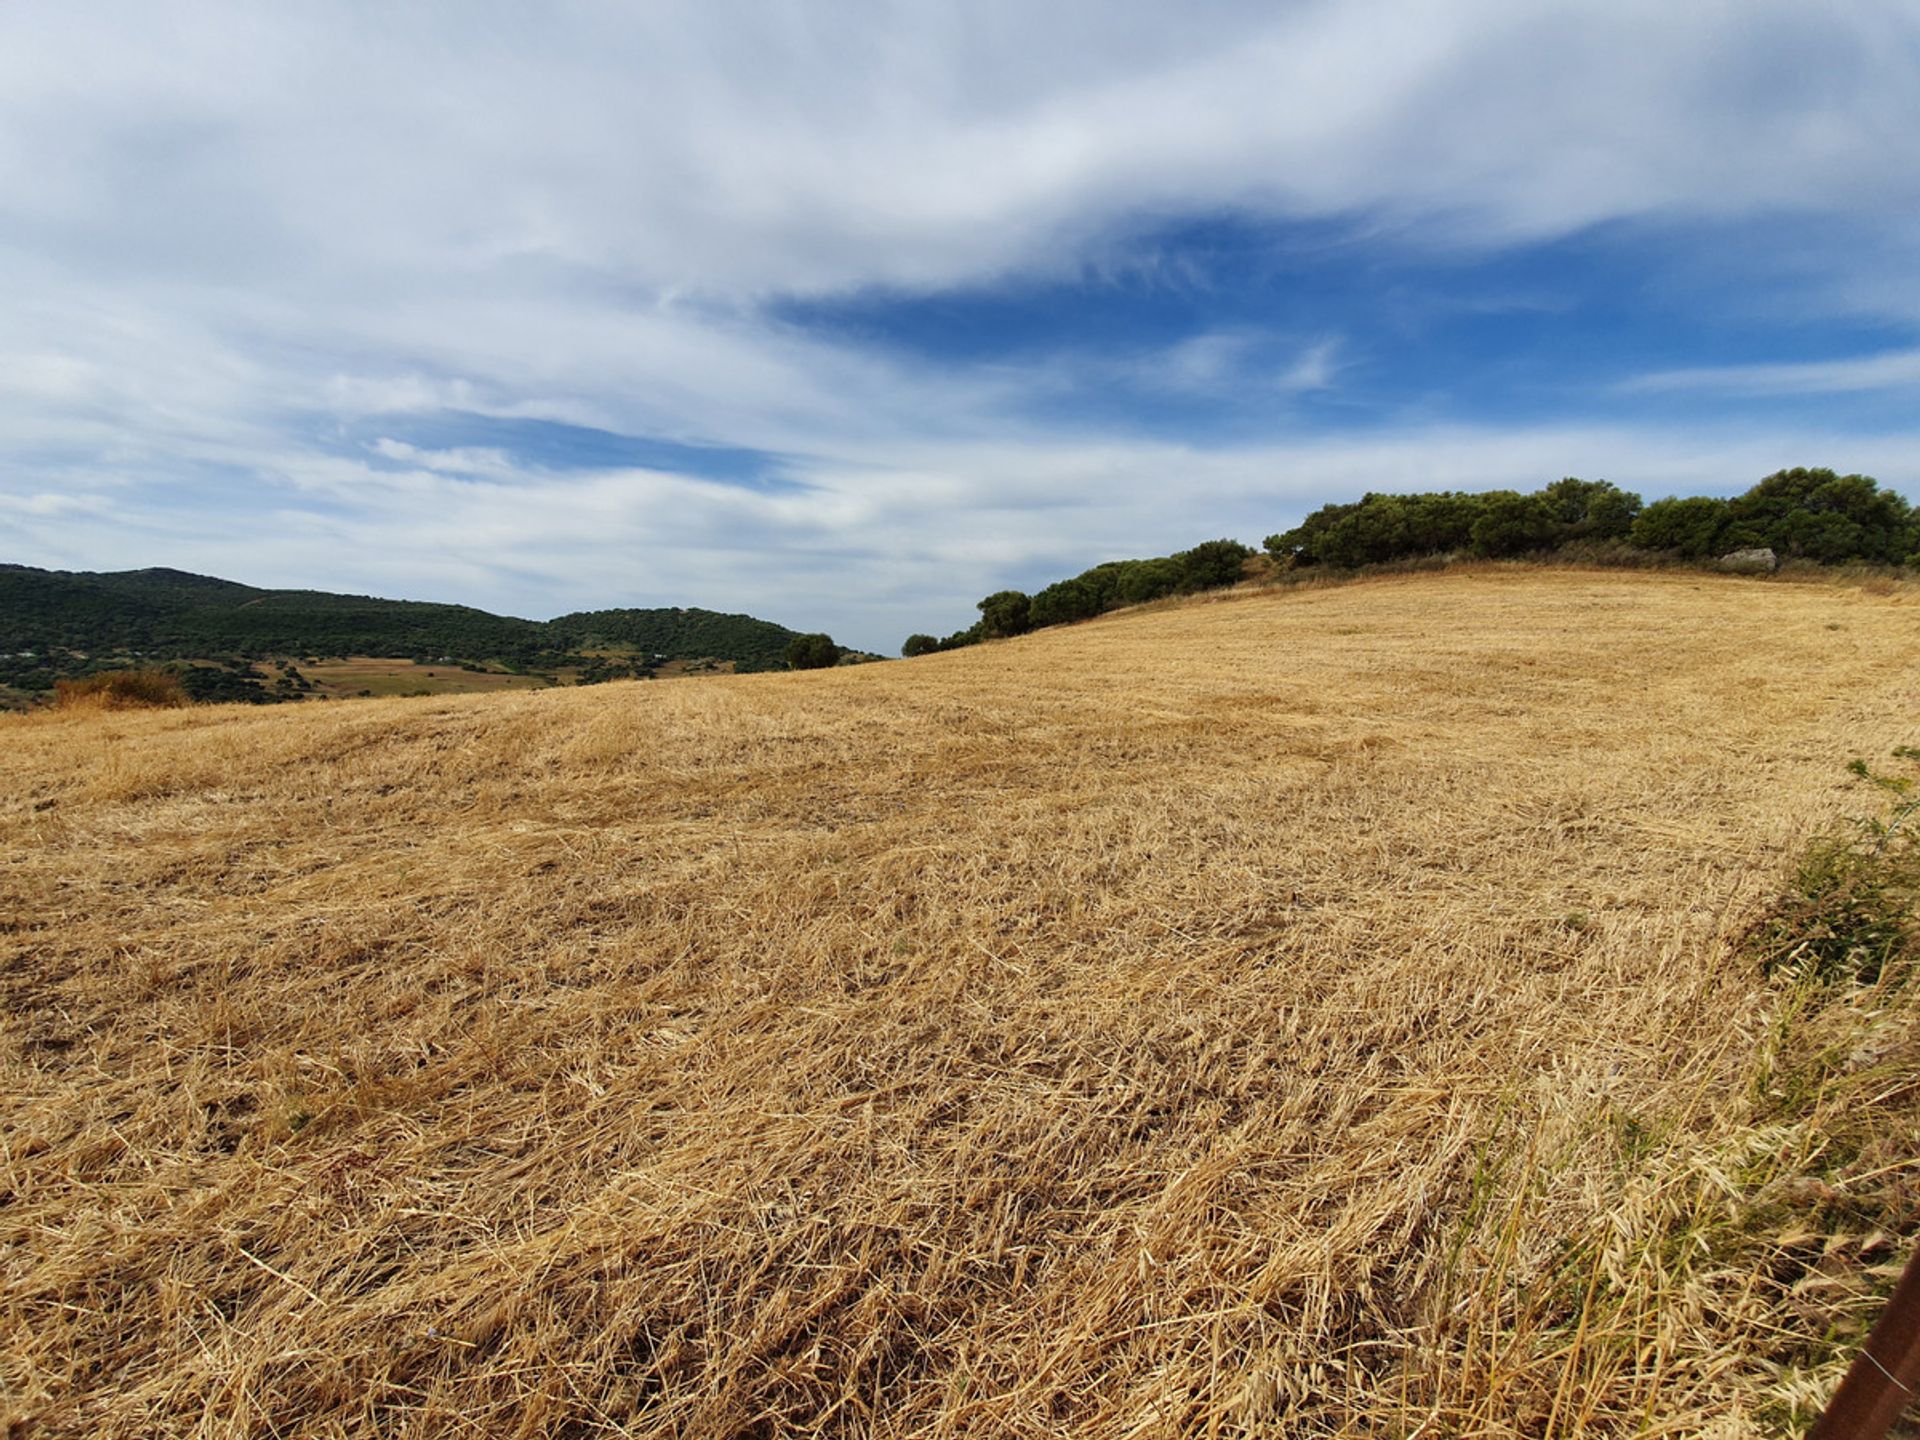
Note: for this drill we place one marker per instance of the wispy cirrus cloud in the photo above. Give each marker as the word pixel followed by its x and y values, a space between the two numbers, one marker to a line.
pixel 1895 370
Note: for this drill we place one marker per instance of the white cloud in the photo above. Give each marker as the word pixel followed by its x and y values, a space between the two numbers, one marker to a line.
pixel 47 503
pixel 461 460
pixel 1892 370
pixel 1315 368
pixel 737 151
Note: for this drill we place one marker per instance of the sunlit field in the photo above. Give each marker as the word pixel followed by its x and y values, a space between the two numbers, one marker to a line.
pixel 1325 1011
pixel 363 675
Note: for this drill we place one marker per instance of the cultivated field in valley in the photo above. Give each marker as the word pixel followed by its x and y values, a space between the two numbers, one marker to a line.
pixel 1302 1012
pixel 359 673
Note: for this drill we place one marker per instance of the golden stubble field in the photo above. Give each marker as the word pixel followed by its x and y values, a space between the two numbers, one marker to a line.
pixel 1298 1013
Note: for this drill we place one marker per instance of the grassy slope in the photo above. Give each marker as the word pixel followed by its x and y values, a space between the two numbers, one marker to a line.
pixel 1287 1012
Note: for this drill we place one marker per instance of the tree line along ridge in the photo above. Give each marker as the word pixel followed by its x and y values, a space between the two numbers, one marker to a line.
pixel 55 624
pixel 1812 515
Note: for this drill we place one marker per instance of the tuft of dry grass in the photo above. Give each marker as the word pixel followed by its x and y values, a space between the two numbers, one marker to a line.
pixel 121 690
pixel 1321 1011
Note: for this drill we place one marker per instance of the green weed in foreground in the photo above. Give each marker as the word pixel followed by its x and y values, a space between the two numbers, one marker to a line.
pixel 1743 1250
pixel 1851 908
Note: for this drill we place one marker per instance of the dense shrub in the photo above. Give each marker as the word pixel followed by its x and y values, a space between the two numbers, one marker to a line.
pixel 1691 527
pixel 1590 510
pixel 1379 528
pixel 1004 613
pixel 236 683
pixel 121 690
pixel 919 645
pixel 812 652
pixel 1134 582
pixel 1065 601
pixel 1514 524
pixel 1818 515
pixel 1208 565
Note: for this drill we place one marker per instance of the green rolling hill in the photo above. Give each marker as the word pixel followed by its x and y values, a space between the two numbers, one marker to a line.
pixel 53 620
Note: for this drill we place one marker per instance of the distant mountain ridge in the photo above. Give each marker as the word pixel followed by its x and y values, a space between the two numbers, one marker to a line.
pixel 166 613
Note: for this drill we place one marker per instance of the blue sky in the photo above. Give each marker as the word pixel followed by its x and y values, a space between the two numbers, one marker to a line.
pixel 849 315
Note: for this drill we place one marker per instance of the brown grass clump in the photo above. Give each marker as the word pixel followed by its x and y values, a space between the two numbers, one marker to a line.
pixel 121 690
pixel 1304 1013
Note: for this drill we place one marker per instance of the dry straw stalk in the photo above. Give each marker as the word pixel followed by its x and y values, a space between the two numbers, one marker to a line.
pixel 1294 1014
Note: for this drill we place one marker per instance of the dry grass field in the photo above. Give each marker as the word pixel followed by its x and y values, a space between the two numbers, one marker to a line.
pixel 1296 1013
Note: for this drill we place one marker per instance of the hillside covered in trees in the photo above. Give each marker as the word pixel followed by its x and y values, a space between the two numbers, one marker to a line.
pixel 1799 514
pixel 51 621
pixel 1808 515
